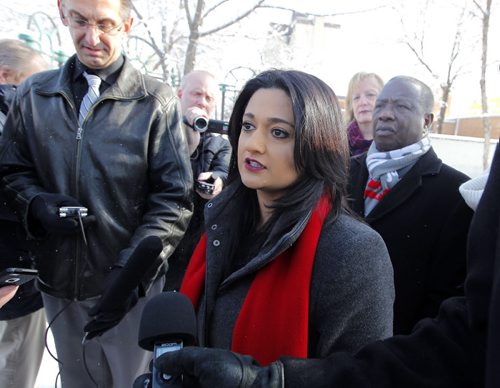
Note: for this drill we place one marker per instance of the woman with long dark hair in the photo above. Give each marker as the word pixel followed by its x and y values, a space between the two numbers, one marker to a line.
pixel 283 269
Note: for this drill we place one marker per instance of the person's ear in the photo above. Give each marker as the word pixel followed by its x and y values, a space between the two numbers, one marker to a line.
pixel 7 76
pixel 428 119
pixel 127 25
pixel 179 93
pixel 61 13
pixel 3 76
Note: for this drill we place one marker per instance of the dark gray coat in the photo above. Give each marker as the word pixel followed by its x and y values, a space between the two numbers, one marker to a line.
pixel 351 294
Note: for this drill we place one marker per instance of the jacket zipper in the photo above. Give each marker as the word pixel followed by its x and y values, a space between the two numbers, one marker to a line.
pixel 78 250
pixel 79 138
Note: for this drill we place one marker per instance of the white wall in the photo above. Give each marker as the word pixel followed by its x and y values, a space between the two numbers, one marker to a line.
pixel 462 152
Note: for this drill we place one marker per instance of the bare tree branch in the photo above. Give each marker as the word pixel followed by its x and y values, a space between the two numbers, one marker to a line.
pixel 479 7
pixel 421 60
pixel 261 4
pixel 188 14
pixel 152 41
pixel 233 21
pixel 214 8
pixel 327 14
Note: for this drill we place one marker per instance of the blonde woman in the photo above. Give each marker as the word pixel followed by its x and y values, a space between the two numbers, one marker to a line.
pixel 360 100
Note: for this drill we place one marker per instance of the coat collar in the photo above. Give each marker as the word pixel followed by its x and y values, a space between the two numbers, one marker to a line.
pixel 130 84
pixel 428 164
pixel 226 205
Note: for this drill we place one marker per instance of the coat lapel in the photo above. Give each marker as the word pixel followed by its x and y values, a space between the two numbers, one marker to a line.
pixel 426 165
pixel 398 195
pixel 358 180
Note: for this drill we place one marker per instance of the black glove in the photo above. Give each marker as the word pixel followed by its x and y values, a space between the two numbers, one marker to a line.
pixel 122 292
pixel 204 367
pixel 143 381
pixel 44 210
pixel 108 312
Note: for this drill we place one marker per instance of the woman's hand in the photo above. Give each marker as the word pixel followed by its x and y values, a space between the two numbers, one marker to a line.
pixel 6 294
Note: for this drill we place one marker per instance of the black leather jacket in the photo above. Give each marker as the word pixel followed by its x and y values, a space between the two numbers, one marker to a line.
pixel 128 164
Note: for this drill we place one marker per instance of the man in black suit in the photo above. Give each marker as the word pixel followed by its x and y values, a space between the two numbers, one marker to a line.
pixel 408 195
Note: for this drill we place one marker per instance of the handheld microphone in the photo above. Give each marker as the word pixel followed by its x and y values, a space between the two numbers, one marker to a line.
pixel 168 323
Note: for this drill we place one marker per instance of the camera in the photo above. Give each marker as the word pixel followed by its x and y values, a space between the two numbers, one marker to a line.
pixel 73 212
pixel 206 187
pixel 201 124
pixel 17 276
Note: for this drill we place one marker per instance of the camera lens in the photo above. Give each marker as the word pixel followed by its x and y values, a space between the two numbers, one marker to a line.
pixel 200 124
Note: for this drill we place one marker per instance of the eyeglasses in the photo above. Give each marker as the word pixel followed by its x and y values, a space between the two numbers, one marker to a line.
pixel 105 27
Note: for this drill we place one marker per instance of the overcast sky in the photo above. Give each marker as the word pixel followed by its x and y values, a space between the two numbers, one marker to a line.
pixel 368 41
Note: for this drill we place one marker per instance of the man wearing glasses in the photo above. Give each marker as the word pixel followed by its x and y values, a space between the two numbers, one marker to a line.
pixel 98 137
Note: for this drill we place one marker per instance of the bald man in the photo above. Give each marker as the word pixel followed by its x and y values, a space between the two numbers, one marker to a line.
pixel 410 197
pixel 210 155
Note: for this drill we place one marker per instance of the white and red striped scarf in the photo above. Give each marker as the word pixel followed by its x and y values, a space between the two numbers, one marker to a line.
pixel 385 169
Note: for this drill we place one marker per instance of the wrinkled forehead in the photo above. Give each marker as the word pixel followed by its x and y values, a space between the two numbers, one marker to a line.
pixel 96 10
pixel 368 82
pixel 202 82
pixel 400 89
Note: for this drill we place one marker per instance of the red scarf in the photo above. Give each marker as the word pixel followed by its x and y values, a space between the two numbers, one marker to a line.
pixel 375 191
pixel 274 318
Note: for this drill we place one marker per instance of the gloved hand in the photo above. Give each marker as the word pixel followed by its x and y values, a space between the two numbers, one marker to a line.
pixel 44 209
pixel 122 291
pixel 204 367
pixel 109 311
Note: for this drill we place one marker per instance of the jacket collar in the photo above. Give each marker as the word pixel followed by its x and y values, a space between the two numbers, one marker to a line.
pixel 7 93
pixel 225 205
pixel 130 84
pixel 428 164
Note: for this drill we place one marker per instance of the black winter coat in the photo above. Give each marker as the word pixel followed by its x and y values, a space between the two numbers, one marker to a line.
pixel 127 163
pixel 424 222
pixel 213 154
pixel 14 249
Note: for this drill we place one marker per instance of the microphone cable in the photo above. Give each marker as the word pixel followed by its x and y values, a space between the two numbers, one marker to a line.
pixel 47 344
pixel 61 365
pixel 84 358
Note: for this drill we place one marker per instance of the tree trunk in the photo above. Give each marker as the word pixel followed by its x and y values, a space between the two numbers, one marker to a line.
pixel 442 110
pixel 190 60
pixel 194 34
pixel 482 83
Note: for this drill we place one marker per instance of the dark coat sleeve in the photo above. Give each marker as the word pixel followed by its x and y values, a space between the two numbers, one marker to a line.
pixel 441 352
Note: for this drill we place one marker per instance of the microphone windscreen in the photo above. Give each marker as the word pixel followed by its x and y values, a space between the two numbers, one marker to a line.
pixel 168 316
pixel 130 276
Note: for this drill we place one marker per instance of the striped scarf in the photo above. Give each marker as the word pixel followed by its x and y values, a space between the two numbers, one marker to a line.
pixel 384 169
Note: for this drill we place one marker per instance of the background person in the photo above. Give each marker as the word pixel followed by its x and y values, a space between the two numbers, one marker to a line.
pixel 282 268
pixel 362 92
pixel 210 154
pixel 99 134
pixel 22 320
pixel 408 195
